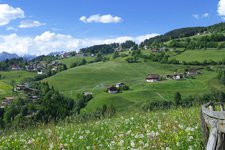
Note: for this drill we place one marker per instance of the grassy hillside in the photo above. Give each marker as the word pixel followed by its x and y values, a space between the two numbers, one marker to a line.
pixel 98 76
pixel 200 55
pixel 5 89
pixel 168 129
pixel 7 77
pixel 71 60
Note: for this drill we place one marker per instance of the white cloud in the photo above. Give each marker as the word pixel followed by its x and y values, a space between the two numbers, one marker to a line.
pixel 140 39
pixel 201 16
pixel 205 15
pixel 101 19
pixel 52 42
pixel 9 13
pixel 221 8
pixel 11 29
pixel 196 16
pixel 137 39
pixel 14 44
pixel 30 24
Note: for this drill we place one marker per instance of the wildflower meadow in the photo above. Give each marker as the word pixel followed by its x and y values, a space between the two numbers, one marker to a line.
pixel 177 129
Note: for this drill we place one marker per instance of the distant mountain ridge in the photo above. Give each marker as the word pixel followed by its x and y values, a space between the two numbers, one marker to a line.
pixel 56 53
pixel 29 57
pixel 5 55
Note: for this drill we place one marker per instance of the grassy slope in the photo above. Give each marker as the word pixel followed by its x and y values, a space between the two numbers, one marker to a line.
pixel 7 77
pixel 71 60
pixel 174 129
pixel 5 89
pixel 96 77
pixel 201 55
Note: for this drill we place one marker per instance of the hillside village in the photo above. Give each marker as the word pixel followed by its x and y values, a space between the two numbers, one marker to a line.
pixel 99 81
pixel 112 75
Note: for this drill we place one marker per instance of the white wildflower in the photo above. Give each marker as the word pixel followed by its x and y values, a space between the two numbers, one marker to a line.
pixel 190 138
pixel 132 144
pixel 81 137
pixel 190 147
pixel 87 131
pixel 51 145
pixel 159 126
pixel 121 142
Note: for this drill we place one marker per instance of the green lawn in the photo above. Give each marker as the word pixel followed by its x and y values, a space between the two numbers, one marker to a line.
pixel 98 76
pixel 200 55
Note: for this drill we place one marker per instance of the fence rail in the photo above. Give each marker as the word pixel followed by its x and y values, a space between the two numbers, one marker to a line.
pixel 213 125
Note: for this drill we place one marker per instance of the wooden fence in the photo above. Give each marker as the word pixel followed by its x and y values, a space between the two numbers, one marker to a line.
pixel 213 125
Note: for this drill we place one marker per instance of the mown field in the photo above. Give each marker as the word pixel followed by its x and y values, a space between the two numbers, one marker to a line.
pixel 98 76
pixel 164 130
pixel 200 55
pixel 8 77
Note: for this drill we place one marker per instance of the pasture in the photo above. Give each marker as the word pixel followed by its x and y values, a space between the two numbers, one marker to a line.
pixel 97 77
pixel 201 55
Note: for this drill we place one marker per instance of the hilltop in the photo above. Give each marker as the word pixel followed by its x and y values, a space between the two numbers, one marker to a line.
pixel 183 33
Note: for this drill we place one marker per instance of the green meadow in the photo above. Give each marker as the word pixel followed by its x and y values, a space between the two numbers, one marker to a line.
pixel 168 129
pixel 8 77
pixel 97 77
pixel 5 89
pixel 75 59
pixel 201 55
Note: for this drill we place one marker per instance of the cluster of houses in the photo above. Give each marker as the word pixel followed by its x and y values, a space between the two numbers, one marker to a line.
pixel 16 68
pixel 175 76
pixel 115 88
pixel 156 77
pixel 26 89
pixel 73 53
pixel 156 50
pixel 30 92
pixel 6 101
pixel 35 67
pixel 41 67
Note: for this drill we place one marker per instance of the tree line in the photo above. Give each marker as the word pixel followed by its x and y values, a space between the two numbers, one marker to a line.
pixel 178 101
pixel 8 63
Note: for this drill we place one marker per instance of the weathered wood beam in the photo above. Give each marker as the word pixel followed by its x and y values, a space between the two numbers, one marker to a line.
pixel 220 143
pixel 211 145
pixel 222 107
pixel 211 107
pixel 215 120
pixel 213 114
pixel 205 130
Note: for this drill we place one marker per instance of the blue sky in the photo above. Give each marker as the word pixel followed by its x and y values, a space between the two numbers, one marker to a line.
pixel 57 20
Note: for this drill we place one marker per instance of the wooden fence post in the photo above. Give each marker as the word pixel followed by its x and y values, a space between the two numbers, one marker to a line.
pixel 213 126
